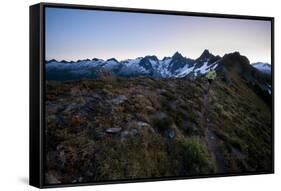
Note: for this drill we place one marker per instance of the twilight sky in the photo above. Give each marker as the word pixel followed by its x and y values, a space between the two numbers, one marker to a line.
pixel 73 34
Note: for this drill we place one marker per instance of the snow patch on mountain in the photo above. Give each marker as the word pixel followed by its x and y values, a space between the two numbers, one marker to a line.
pixel 202 70
pixel 269 88
pixel 182 72
pixel 131 66
pixel 154 63
pixel 162 68
pixel 205 68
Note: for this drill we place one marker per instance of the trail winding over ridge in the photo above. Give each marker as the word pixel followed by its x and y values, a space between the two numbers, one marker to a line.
pixel 210 137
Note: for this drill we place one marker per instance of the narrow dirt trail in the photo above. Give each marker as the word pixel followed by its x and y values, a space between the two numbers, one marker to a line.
pixel 211 139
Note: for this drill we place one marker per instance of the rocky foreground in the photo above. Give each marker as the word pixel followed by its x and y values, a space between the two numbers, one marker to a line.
pixel 116 128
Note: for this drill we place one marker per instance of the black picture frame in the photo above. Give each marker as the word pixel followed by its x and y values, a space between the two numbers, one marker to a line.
pixel 37 89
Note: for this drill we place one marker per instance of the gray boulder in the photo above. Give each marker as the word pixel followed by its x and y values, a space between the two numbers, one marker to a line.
pixel 119 99
pixel 113 130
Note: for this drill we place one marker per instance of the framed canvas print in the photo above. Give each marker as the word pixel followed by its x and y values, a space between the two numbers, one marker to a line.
pixel 127 95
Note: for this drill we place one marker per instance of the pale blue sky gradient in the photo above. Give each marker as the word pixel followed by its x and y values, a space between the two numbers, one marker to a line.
pixel 73 34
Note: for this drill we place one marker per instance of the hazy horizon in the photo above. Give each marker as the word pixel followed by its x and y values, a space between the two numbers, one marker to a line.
pixel 73 34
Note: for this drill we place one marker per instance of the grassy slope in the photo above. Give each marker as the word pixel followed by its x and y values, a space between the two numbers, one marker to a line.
pixel 162 130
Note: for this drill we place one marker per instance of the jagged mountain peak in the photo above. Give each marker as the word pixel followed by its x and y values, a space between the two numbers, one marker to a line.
pixel 153 57
pixel 206 51
pixel 205 55
pixel 64 61
pixel 112 59
pixel 177 55
pixel 95 59
pixel 238 58
pixel 52 60
pixel 233 54
pixel 235 64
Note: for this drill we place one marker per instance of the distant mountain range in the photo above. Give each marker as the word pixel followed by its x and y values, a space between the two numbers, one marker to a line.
pixel 263 67
pixel 176 66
